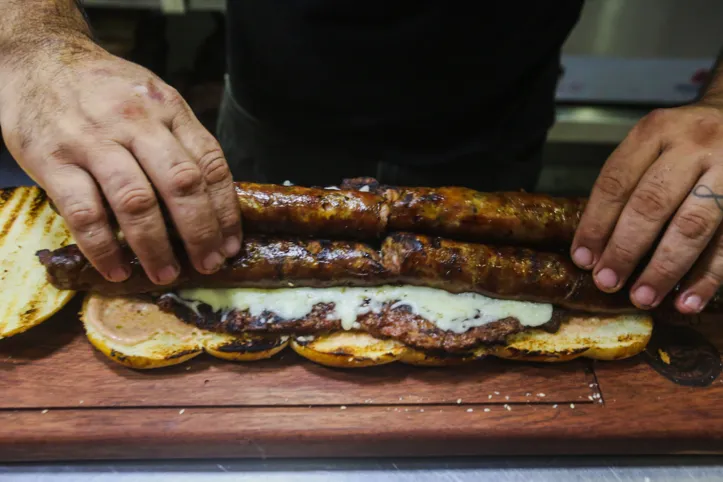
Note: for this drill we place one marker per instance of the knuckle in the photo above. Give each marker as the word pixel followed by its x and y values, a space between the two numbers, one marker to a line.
pixel 203 236
pixel 652 120
pixel 622 253
pixel 706 130
pixel 185 179
pixel 215 168
pixel 82 216
pixel 611 187
pixel 136 201
pixel 174 97
pixel 694 224
pixel 591 229
pixel 228 218
pixel 650 124
pixel 713 279
pixel 650 202
pixel 101 249
pixel 666 268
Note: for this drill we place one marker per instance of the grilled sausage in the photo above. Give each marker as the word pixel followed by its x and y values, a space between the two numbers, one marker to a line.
pixel 293 210
pixel 500 272
pixel 505 218
pixel 262 263
pixel 503 272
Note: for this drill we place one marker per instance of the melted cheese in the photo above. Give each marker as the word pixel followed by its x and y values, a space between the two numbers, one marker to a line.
pixel 448 311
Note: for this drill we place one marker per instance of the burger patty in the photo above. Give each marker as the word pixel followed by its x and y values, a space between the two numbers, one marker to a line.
pixel 395 322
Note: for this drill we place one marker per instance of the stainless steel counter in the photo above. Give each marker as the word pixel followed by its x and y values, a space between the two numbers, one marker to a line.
pixel 533 470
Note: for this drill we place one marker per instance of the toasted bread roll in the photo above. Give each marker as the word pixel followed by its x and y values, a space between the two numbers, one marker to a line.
pixel 598 337
pixel 27 224
pixel 348 349
pixel 137 334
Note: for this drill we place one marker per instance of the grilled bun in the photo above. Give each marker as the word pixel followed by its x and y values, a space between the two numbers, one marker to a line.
pixel 162 349
pixel 27 225
pixel 348 349
pixel 610 337
pixel 597 337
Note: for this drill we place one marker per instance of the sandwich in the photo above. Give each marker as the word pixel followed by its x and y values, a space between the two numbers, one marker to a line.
pixel 363 274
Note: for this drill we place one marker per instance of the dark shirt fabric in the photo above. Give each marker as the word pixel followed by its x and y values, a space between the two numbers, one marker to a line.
pixel 414 81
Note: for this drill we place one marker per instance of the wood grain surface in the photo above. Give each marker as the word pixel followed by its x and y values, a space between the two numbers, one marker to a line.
pixel 61 400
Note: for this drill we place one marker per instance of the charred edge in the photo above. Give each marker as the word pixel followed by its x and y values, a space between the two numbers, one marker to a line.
pixel 181 354
pixel 536 353
pixel 28 315
pixel 250 346
pixel 118 355
pixel 341 353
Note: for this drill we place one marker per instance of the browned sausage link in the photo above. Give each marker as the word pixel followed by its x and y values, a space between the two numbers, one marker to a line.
pixel 504 218
pixel 294 210
pixel 502 272
pixel 262 263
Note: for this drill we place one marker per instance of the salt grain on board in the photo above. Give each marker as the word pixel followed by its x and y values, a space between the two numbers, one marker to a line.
pixel 470 410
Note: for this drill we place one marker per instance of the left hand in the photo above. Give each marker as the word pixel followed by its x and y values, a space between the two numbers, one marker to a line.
pixel 665 178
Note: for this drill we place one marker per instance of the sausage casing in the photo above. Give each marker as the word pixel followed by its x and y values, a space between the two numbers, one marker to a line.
pixel 505 218
pixel 294 210
pixel 502 272
pixel 262 263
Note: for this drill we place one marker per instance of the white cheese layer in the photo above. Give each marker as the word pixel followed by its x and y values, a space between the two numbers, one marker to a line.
pixel 448 311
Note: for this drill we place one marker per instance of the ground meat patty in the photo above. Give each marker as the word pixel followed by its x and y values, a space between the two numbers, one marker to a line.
pixel 398 323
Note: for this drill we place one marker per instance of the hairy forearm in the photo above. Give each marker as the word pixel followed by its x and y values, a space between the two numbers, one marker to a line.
pixel 29 27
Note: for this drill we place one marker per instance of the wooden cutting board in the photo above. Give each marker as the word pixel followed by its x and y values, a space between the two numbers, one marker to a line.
pixel 61 400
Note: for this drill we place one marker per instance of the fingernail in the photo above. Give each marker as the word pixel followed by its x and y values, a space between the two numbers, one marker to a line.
pixel 693 302
pixel 607 278
pixel 167 275
pixel 231 246
pixel 213 262
pixel 120 273
pixel 645 295
pixel 582 257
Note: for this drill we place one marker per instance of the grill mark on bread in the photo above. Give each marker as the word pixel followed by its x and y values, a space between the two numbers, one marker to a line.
pixel 37 203
pixel 13 214
pixel 6 194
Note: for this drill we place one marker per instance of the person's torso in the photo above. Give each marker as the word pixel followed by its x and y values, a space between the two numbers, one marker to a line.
pixel 404 73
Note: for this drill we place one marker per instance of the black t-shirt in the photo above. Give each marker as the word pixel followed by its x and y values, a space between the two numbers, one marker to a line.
pixel 420 79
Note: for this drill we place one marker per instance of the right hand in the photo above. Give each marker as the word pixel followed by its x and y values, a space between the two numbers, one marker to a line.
pixel 87 127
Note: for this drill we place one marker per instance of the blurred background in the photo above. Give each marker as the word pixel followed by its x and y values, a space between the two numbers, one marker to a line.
pixel 624 58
